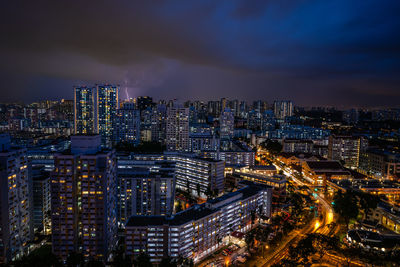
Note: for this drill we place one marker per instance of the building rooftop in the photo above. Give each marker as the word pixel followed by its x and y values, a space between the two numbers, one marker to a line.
pixel 325 165
pixel 292 140
pixel 197 211
pixel 300 155
pixel 263 167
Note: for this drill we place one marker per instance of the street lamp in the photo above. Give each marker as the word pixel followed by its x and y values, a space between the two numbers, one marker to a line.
pixel 317 225
pixel 266 247
pixel 227 262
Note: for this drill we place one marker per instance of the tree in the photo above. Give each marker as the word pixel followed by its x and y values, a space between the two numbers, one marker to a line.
pixel 350 253
pixel 367 202
pixel 143 260
pixel 178 206
pixel 41 257
pixel 230 232
pixel 302 251
pixel 120 258
pixel 167 262
pixel 323 243
pixel 184 262
pixel 75 259
pixel 188 186
pixel 95 263
pixel 198 189
pixel 297 200
pixel 272 146
pixel 208 192
pixel 346 206
pixel 215 192
pixel 249 239
pixel 253 216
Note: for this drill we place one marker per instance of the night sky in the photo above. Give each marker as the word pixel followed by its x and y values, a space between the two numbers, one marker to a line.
pixel 339 52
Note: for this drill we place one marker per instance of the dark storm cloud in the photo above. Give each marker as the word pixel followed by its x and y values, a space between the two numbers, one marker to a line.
pixel 314 52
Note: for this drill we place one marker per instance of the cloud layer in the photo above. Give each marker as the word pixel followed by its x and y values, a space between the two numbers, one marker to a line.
pixel 340 52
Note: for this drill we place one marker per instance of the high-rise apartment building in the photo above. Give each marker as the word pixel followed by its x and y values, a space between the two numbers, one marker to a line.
pixel 195 174
pixel 83 191
pixel 127 125
pixel 41 200
pixel 107 105
pixel 346 149
pixel 85 110
pixel 204 141
pixel 227 124
pixel 158 124
pixel 145 192
pixel 283 109
pixel 16 227
pixel 177 128
pixel 189 170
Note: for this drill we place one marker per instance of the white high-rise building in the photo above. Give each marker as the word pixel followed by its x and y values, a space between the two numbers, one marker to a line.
pixel 283 109
pixel 227 124
pixel 177 135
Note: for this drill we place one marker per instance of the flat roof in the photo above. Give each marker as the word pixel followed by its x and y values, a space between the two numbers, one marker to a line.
pixel 197 211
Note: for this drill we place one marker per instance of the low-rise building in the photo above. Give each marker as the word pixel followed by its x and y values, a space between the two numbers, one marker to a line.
pixel 265 176
pixel 318 172
pixel 296 158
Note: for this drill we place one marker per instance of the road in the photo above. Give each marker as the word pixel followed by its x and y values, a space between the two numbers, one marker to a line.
pixel 315 226
pixel 282 251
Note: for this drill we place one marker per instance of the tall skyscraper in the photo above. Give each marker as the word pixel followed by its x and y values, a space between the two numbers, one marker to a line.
pixel 127 124
pixel 283 109
pixel 227 124
pixel 83 190
pixel 84 110
pixel 16 226
pixel 107 105
pixel 177 135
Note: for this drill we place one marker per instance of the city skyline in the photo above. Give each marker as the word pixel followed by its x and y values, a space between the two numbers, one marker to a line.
pixel 316 53
pixel 200 133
